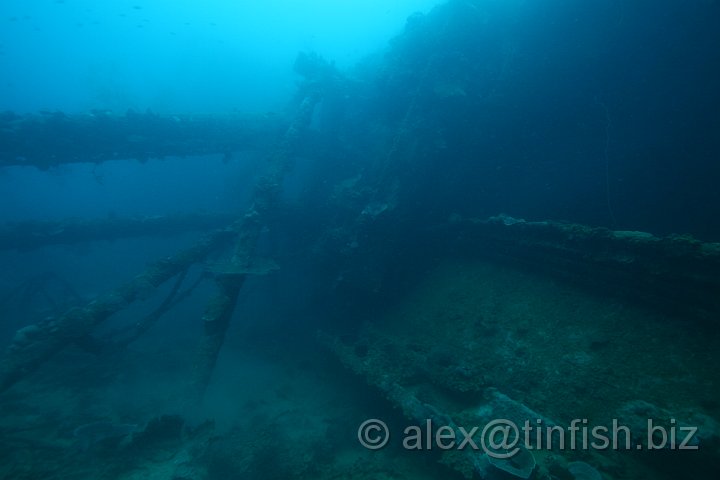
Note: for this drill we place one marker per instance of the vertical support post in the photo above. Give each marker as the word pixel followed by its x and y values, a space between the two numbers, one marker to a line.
pixel 221 307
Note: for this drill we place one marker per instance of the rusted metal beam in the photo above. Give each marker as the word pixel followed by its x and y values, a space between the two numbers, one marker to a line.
pixel 29 235
pixel 55 138
pixel 35 344
pixel 230 277
pixel 676 274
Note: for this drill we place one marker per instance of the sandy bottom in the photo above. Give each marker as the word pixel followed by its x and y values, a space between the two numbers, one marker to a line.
pixel 283 407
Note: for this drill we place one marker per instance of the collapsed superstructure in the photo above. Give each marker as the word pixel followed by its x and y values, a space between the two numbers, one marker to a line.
pixel 375 216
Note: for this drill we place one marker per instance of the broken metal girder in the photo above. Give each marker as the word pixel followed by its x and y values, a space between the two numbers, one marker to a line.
pixel 29 235
pixel 231 277
pixel 676 274
pixel 474 460
pixel 53 139
pixel 35 344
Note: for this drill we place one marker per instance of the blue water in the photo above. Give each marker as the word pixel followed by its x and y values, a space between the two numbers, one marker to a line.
pixel 600 112
pixel 366 285
pixel 174 57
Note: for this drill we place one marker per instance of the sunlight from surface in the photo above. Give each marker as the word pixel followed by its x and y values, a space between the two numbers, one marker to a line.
pixel 177 56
